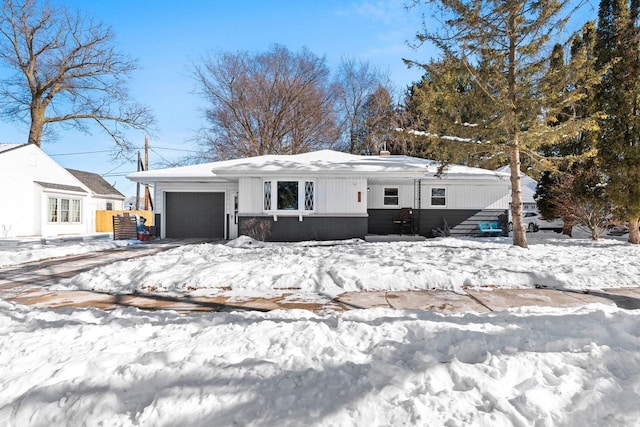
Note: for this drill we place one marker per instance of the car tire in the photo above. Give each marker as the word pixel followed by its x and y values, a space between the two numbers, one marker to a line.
pixel 532 228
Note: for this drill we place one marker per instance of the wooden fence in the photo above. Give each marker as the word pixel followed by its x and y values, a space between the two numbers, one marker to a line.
pixel 104 219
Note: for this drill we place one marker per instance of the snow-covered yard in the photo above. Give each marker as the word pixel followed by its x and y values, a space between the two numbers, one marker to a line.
pixel 19 252
pixel 524 366
pixel 542 367
pixel 306 271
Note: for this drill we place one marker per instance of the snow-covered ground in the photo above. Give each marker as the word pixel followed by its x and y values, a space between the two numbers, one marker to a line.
pixel 306 271
pixel 525 366
pixel 18 252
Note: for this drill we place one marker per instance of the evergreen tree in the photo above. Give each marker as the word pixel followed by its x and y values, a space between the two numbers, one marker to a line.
pixel 568 91
pixel 507 41
pixel 454 115
pixel 619 95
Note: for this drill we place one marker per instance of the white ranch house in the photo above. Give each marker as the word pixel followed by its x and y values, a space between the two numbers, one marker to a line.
pixel 41 198
pixel 323 195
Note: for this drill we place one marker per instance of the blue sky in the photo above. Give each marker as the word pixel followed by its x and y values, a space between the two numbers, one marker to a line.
pixel 167 37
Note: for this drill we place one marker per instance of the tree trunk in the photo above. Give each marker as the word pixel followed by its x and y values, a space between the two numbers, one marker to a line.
pixel 37 125
pixel 634 233
pixel 519 232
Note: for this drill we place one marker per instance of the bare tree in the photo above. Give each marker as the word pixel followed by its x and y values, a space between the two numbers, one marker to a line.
pixel 277 102
pixel 357 82
pixel 578 197
pixel 64 69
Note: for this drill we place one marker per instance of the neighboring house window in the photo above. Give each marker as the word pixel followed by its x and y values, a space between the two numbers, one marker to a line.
pixel 438 197
pixel 53 209
pixel 75 211
pixel 109 206
pixel 289 196
pixel 391 196
pixel 64 210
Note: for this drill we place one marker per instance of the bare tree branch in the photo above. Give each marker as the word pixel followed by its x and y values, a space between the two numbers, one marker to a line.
pixel 65 70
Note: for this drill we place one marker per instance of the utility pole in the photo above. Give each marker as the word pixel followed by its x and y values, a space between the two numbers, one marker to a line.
pixel 146 167
pixel 138 184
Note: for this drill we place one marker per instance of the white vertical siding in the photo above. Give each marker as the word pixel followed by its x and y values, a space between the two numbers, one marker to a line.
pixel 332 196
pixel 250 197
pixel 460 194
pixel 469 194
pixel 336 196
pixel 405 196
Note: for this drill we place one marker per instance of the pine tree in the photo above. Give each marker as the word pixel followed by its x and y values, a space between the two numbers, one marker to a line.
pixel 568 89
pixel 507 41
pixel 454 115
pixel 619 97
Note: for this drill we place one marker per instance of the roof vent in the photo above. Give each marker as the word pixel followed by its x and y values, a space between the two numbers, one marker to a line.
pixel 385 153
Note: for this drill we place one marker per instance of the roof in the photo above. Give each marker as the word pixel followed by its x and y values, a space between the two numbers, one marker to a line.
pixel 97 184
pixel 527 183
pixel 7 147
pixel 324 162
pixel 53 186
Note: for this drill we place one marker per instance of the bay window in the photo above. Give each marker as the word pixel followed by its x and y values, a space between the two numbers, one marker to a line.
pixel 289 196
pixel 63 210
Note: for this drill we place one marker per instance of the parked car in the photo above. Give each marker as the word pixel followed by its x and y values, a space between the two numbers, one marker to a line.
pixel 555 224
pixel 530 219
pixel 533 222
pixel 617 229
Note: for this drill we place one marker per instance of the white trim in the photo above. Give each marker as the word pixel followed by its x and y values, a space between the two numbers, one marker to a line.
pixel 384 196
pixel 446 196
pixel 301 197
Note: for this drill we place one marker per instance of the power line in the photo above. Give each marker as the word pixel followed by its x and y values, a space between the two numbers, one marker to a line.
pixel 82 152
pixel 78 153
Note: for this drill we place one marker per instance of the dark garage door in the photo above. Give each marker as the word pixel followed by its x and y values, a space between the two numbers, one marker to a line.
pixel 194 215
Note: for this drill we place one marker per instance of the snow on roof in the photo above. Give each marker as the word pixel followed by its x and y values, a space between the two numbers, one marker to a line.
pixel 323 162
pixel 7 147
pixel 528 184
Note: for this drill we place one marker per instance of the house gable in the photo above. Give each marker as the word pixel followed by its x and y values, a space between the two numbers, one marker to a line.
pixel 97 184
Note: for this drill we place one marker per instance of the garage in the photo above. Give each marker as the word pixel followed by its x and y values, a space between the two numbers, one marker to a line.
pixel 194 215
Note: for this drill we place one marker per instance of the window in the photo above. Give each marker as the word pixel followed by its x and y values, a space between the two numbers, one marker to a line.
pixel 109 206
pixel 64 210
pixel 289 196
pixel 75 211
pixel 308 195
pixel 267 195
pixel 53 209
pixel 438 197
pixel 391 196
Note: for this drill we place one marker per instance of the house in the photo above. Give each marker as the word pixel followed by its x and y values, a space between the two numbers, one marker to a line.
pixel 41 198
pixel 323 195
pixel 528 186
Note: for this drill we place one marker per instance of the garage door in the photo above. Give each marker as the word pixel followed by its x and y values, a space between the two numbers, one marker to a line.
pixel 194 215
